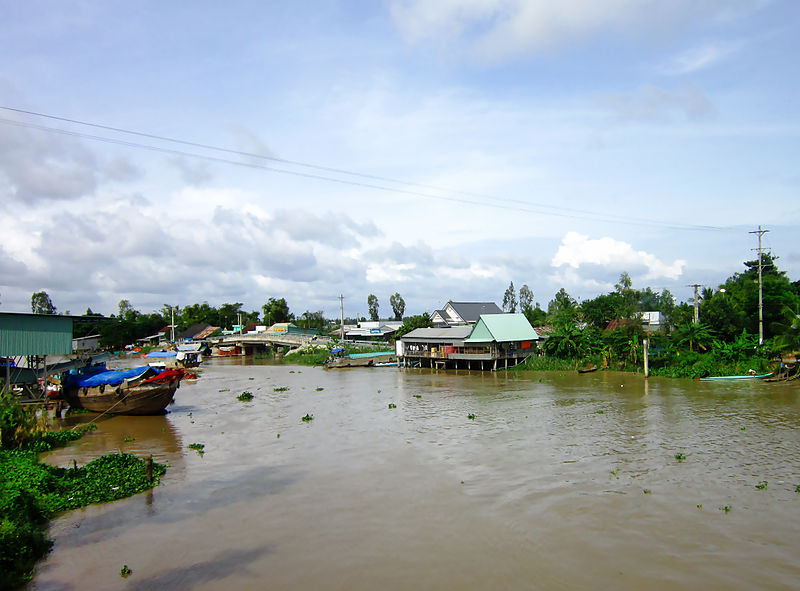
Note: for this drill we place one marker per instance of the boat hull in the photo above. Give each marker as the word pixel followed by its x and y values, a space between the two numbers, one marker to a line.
pixel 141 397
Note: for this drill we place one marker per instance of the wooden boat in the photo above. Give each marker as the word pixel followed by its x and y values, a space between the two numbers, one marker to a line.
pixel 747 377
pixel 140 391
pixel 360 359
pixel 174 359
pixel 587 369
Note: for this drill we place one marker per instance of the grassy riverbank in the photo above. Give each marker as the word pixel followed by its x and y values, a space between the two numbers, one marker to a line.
pixel 33 492
pixel 688 365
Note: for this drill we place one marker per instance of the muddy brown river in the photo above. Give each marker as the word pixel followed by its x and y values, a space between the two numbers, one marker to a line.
pixel 560 481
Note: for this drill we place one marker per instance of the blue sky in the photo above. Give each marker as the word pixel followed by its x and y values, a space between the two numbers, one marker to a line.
pixel 435 149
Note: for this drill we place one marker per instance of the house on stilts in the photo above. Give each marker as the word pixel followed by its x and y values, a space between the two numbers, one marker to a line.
pixel 496 341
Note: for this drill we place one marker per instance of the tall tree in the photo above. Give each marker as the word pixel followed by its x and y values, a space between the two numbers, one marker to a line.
pixel 510 299
pixel 562 308
pixel 313 320
pixel 372 304
pixel 276 310
pixel 41 303
pixel 126 311
pixel 398 306
pixel 525 299
pixel 627 304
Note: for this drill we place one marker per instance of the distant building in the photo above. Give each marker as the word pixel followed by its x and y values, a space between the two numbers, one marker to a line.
pixel 197 332
pixel 461 313
pixel 373 330
pixel 86 344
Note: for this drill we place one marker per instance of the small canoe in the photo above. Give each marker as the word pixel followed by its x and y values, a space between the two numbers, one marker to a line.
pixel 748 377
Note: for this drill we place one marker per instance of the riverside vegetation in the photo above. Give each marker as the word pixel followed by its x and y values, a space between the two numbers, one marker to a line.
pixel 32 492
pixel 607 332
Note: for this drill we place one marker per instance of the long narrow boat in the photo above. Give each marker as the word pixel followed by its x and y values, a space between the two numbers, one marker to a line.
pixel 139 391
pixel 747 377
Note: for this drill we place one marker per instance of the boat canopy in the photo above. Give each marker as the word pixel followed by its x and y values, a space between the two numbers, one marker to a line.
pixel 155 354
pixel 111 377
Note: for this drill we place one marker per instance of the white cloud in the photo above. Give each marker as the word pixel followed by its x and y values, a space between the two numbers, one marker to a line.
pixel 578 251
pixel 700 58
pixel 502 28
pixel 388 273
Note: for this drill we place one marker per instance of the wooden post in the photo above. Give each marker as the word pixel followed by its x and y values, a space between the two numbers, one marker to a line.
pixel 646 358
pixel 149 468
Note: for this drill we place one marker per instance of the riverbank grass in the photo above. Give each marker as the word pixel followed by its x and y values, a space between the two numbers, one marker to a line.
pixel 33 492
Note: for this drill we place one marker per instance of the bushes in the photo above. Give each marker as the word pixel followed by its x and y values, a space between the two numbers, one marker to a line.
pixel 32 492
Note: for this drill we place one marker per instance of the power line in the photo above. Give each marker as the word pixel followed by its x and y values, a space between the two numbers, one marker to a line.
pixel 501 203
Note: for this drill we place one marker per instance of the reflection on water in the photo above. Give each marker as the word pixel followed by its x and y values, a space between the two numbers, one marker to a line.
pixel 561 481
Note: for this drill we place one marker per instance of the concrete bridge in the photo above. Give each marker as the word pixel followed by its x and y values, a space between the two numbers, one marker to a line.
pixel 247 344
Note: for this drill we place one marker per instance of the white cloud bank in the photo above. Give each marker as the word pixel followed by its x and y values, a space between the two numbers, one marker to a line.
pixel 502 28
pixel 577 251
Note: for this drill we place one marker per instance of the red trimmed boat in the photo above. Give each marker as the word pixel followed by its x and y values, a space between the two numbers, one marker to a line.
pixel 139 391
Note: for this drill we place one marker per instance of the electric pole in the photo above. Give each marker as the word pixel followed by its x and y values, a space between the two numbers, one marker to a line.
pixel 341 312
pixel 696 303
pixel 760 233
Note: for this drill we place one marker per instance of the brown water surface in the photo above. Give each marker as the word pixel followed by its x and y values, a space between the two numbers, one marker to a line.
pixel 559 482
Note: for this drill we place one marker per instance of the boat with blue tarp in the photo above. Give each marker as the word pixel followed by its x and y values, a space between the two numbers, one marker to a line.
pixel 141 390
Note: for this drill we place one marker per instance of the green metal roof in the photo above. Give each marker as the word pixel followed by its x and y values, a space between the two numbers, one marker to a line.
pixel 35 334
pixel 502 328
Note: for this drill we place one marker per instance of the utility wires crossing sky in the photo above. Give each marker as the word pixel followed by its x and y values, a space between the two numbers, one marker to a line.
pixel 324 173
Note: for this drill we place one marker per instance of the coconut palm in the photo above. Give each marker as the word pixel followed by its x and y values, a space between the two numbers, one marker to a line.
pixel 695 336
pixel 787 332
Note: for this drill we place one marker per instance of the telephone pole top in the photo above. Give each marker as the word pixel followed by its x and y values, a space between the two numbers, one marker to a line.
pixel 760 233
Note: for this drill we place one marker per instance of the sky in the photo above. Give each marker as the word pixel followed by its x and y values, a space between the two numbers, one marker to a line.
pixel 172 153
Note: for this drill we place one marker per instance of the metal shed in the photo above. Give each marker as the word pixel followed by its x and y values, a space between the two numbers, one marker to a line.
pixel 34 334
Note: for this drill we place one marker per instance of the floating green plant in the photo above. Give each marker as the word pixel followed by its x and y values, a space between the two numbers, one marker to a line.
pixel 225 390
pixel 726 508
pixel 392 405
pixel 615 473
pixel 680 456
pixel 471 417
pixel 198 447
pixel 250 378
pixel 647 491
pixel 245 396
pixel 699 505
pixel 291 371
pixel 128 439
pixel 797 490
pixel 417 395
pixel 742 428
pixel 125 571
pixel 281 389
pixel 320 388
pixel 600 412
pixel 762 485
pixel 307 418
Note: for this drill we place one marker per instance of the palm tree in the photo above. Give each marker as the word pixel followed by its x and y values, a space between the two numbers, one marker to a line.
pixel 787 332
pixel 564 341
pixel 691 334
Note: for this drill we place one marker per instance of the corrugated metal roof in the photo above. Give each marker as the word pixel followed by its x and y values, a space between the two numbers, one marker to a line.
pixel 471 311
pixel 35 334
pixel 454 333
pixel 502 328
